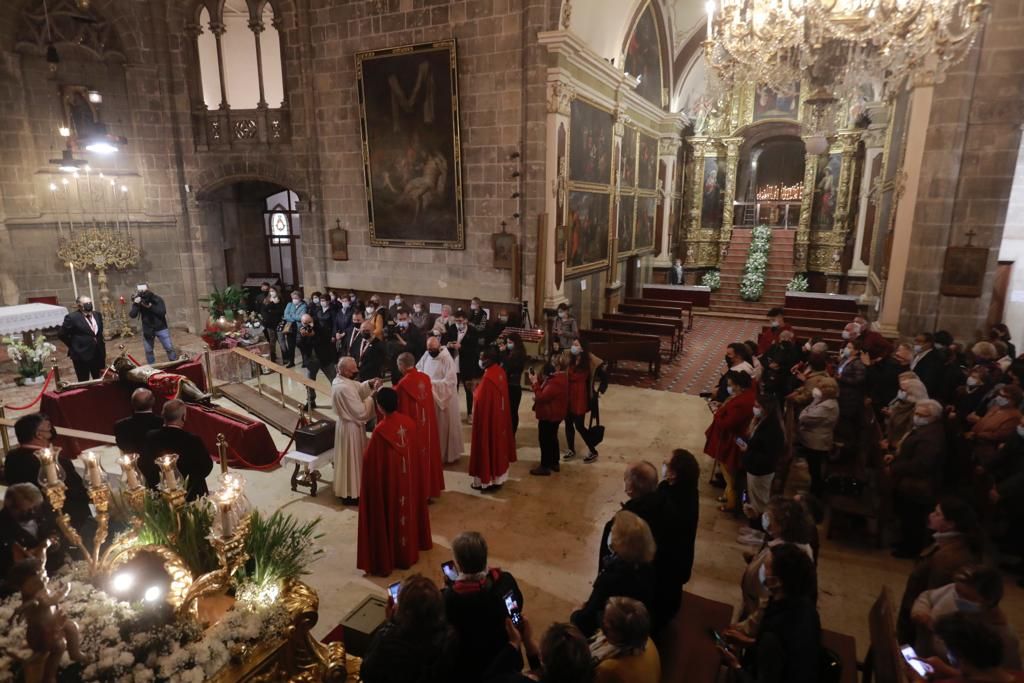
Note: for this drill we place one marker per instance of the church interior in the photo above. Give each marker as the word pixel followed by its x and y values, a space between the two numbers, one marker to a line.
pixel 757 257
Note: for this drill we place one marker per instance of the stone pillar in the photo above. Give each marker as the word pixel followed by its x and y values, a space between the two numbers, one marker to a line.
pixel 613 283
pixel 668 149
pixel 917 129
pixel 556 203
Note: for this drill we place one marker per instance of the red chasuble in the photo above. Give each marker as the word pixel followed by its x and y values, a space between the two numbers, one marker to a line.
pixel 494 445
pixel 416 400
pixel 391 510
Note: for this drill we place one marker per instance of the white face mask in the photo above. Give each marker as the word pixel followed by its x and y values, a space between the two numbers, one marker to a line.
pixel 369 310
pixel 474 307
pixel 846 334
pixel 973 381
pixel 807 347
pixel 901 395
pixel 664 468
pixel 417 309
pixel 481 364
pixel 398 301
pixel 575 350
pixel 729 390
pixel 816 393
pixel 758 411
pixel 316 299
pixel 563 315
pixel 509 345
pixel 765 521
pixel 1001 401
pixel 1020 431
pixel 917 348
pixel 762 575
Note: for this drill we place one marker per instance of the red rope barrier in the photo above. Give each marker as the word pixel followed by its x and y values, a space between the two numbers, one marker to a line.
pixel 277 460
pixel 37 399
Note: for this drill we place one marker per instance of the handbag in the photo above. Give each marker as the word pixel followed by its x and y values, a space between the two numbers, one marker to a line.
pixel 286 327
pixel 596 430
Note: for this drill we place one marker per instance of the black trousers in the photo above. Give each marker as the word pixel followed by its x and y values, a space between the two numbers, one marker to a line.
pixel 913 517
pixel 573 424
pixel 469 392
pixel 814 459
pixel 515 397
pixel 547 435
pixel 313 366
pixel 288 344
pixel 271 334
pixel 88 369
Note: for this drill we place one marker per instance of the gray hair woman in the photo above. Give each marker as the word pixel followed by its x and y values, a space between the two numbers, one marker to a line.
pixel 623 649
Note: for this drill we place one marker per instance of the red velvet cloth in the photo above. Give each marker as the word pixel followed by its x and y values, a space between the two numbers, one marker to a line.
pixel 96 408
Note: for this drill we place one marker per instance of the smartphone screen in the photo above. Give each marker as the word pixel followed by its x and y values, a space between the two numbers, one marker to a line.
pixel 717 637
pixel 512 607
pixel 920 667
pixel 450 571
pixel 393 591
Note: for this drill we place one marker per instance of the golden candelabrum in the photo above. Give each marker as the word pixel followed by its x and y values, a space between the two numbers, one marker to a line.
pixel 101 249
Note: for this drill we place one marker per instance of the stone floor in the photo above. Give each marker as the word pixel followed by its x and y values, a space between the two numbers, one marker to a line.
pixel 546 530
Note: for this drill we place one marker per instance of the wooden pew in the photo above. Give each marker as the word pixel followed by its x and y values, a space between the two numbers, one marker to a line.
pixel 664 330
pixel 678 307
pixel 831 337
pixel 688 652
pixel 698 296
pixel 612 347
pixel 812 321
pixel 846 648
pixel 819 301
pixel 677 340
pixel 844 316
pixel 883 662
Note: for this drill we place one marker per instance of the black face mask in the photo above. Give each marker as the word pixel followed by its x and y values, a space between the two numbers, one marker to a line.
pixel 87 308
pixel 434 353
pixel 728 361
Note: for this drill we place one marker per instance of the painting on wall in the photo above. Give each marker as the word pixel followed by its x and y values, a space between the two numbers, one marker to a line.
pixel 963 273
pixel 588 230
pixel 643 57
pixel 713 194
pixel 629 158
pixel 409 115
pixel 504 247
pixel 647 175
pixel 624 232
pixel 339 244
pixel 826 188
pixel 590 144
pixel 646 210
pixel 770 104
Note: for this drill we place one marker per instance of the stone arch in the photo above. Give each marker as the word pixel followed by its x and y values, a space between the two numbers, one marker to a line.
pixel 211 180
pixel 118 15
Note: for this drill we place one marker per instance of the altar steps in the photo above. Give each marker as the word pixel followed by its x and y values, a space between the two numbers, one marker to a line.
pixel 780 271
pixel 267 406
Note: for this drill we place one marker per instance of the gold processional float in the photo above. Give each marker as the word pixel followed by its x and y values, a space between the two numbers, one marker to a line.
pixel 289 654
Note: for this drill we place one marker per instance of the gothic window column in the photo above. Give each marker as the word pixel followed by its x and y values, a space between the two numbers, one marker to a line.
pixel 256 26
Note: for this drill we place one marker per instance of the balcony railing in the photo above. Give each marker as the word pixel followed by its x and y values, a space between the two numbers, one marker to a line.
pixel 776 214
pixel 230 128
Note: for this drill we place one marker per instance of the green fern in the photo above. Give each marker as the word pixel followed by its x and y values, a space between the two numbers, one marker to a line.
pixel 280 548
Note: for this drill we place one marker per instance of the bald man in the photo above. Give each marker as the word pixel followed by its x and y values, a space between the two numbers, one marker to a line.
pixel 353 402
pixel 82 333
pixel 130 432
pixel 194 461
pixel 658 508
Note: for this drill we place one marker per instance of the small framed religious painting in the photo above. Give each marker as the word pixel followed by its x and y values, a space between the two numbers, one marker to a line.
pixel 964 271
pixel 504 250
pixel 560 244
pixel 339 244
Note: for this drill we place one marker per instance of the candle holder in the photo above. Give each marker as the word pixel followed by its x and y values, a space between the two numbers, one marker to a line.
pixel 171 482
pixel 132 482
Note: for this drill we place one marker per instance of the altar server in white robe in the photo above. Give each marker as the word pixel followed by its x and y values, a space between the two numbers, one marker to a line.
pixel 353 402
pixel 443 371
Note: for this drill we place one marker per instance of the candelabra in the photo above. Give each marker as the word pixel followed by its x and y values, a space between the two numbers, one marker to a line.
pixel 102 249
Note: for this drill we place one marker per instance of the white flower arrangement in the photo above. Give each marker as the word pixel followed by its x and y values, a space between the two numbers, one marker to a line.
pixel 799 283
pixel 30 359
pixel 123 642
pixel 712 279
pixel 754 272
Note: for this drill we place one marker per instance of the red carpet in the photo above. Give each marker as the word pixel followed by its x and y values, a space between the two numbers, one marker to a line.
pixel 700 364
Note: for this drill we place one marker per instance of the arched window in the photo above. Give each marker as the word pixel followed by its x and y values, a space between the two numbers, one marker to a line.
pixel 209 72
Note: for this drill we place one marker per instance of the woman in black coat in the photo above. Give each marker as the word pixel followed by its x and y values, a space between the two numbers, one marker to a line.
pixel 513 361
pixel 415 644
pixel 627 572
pixel 788 644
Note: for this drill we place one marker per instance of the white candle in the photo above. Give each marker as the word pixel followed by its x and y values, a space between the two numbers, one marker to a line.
pixel 90 287
pixel 92 469
pixel 129 471
pixel 51 467
pixel 167 477
pixel 710 7
pixel 226 528
pixel 74 281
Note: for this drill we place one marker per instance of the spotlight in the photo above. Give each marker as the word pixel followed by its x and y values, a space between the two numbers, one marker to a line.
pixel 123 582
pixel 152 594
pixel 95 97
pixel 102 142
pixel 64 131
pixel 67 162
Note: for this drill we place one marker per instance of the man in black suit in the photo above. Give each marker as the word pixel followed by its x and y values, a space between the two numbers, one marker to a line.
pixel 463 344
pixel 194 461
pixel 21 466
pixel 344 313
pixel 928 364
pixel 373 355
pixel 131 431
pixel 82 333
pixel 349 341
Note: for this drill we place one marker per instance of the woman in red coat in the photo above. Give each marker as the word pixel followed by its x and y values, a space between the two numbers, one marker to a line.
pixel 583 370
pixel 730 423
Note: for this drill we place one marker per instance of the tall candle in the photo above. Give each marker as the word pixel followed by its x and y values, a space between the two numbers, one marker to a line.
pixel 226 527
pixel 74 281
pixel 127 467
pixel 710 7
pixel 51 467
pixel 92 469
pixel 90 287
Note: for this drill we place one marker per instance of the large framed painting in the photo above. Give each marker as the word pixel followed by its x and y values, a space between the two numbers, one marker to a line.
pixel 590 144
pixel 963 273
pixel 826 188
pixel 770 104
pixel 624 231
pixel 646 211
pixel 588 231
pixel 409 116
pixel 629 158
pixel 713 194
pixel 647 160
pixel 643 57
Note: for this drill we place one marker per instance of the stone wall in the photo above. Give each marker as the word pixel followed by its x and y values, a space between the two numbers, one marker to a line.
pixel 967 172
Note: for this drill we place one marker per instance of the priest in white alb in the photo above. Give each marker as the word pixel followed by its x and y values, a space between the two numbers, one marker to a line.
pixel 443 371
pixel 353 402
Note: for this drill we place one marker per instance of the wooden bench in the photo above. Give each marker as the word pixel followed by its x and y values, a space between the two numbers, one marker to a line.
pixel 663 330
pixel 698 296
pixel 819 301
pixel 656 306
pixel 845 648
pixel 811 321
pixel 612 347
pixel 677 323
pixel 688 652
pixel 883 662
pixel 831 337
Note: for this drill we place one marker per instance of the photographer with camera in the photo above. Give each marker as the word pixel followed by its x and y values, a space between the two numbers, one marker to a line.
pixel 403 336
pixel 151 308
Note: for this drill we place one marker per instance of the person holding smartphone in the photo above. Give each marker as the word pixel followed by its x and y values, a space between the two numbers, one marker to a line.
pixel 976 648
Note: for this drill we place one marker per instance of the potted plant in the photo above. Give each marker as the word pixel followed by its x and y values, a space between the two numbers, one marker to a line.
pixel 226 303
pixel 30 359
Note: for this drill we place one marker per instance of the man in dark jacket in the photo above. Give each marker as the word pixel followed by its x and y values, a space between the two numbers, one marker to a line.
pixel 463 342
pixel 82 333
pixel 130 432
pixel 667 525
pixel 194 461
pixel 151 308
pixel 34 432
pixel 271 311
pixel 928 364
pixel 372 355
pixel 318 352
pixel 26 523
pixel 915 473
pixel 475 607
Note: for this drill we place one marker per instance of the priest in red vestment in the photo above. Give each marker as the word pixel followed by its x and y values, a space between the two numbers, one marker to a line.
pixel 493 443
pixel 416 400
pixel 394 524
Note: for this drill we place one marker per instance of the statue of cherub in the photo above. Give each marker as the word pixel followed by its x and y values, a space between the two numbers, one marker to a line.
pixel 49 632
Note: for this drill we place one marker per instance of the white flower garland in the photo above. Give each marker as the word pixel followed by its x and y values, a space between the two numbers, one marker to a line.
pixel 799 283
pixel 119 645
pixel 754 272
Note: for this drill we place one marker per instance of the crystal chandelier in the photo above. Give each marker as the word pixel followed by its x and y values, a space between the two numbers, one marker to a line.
pixel 834 46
